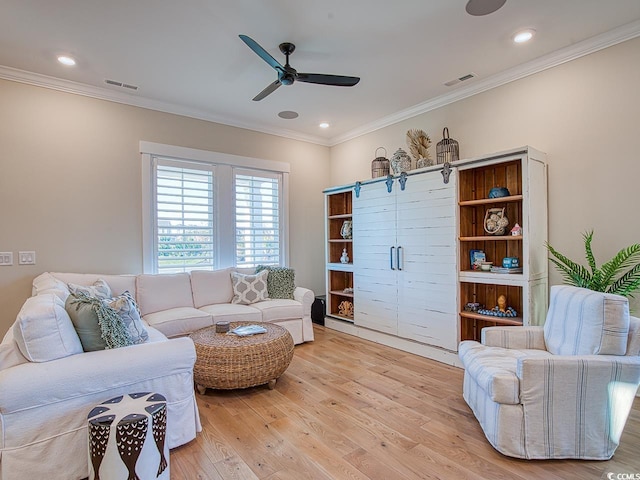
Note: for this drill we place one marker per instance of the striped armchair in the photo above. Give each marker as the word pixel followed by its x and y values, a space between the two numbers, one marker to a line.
pixel 559 391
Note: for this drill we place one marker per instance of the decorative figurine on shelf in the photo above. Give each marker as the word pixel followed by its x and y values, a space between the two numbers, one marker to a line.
pixel 345 257
pixel 502 303
pixel 347 229
pixel 516 231
pixel 345 308
pixel 500 310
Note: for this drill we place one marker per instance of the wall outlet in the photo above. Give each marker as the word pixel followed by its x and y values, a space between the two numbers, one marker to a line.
pixel 6 258
pixel 27 258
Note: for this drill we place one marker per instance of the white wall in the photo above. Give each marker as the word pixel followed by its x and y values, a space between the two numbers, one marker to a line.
pixel 583 114
pixel 70 185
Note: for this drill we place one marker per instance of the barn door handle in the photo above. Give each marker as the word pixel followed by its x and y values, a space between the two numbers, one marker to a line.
pixel 398 258
pixel 391 258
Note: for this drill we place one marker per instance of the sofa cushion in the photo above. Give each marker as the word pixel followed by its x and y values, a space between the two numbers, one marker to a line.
pixel 232 312
pixel 174 322
pixel 584 322
pixel 279 309
pixel 47 283
pixel 117 283
pixel 494 369
pixel 210 287
pixel 248 289
pixel 43 329
pixel 125 306
pixel 280 282
pixel 155 293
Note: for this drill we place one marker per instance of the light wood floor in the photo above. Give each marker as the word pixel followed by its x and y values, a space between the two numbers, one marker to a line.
pixel 351 409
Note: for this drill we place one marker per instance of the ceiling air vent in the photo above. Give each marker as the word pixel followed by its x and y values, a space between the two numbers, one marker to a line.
pixel 120 84
pixel 451 83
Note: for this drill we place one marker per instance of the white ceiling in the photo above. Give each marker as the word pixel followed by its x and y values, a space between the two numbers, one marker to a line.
pixel 186 57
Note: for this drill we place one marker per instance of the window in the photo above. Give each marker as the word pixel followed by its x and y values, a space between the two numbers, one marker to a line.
pixel 257 219
pixel 184 217
pixel 204 210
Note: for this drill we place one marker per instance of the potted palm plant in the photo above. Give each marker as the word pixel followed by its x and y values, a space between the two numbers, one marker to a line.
pixel 620 275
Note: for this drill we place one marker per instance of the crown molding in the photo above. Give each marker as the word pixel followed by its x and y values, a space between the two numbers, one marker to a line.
pixel 567 54
pixel 591 45
pixel 69 86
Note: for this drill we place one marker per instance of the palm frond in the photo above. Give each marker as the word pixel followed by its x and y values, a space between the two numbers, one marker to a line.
pixel 575 274
pixel 627 283
pixel 625 258
pixel 591 260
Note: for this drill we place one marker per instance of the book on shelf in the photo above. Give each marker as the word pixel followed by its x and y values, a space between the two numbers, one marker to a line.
pixel 506 270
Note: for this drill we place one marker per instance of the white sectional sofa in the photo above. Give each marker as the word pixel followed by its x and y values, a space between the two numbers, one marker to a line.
pixel 48 384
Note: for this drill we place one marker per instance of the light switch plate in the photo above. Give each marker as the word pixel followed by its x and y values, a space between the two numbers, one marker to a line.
pixel 27 258
pixel 6 259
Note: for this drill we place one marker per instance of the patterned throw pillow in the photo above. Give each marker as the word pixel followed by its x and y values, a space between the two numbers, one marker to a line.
pixel 98 325
pixel 248 289
pixel 99 289
pixel 280 282
pixel 126 308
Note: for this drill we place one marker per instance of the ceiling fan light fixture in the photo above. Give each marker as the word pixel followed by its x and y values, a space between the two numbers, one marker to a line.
pixel 66 60
pixel 524 36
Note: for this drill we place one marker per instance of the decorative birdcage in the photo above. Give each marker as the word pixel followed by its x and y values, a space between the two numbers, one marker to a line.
pixel 380 165
pixel 447 149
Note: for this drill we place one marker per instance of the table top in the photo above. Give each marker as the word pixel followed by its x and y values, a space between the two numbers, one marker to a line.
pixel 208 337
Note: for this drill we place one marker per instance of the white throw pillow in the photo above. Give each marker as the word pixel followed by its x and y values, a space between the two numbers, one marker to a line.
pixel 99 289
pixel 248 289
pixel 43 329
pixel 47 283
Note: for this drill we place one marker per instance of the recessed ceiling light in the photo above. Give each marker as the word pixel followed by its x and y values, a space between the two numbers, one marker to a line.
pixel 324 125
pixel 524 36
pixel 288 114
pixel 66 60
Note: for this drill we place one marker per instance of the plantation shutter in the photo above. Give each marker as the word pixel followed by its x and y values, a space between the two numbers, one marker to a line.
pixel 184 216
pixel 257 218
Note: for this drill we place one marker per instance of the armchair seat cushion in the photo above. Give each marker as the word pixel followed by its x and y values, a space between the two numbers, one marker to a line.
pixel 494 369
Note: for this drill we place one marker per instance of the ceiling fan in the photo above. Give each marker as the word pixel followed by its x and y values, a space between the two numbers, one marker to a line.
pixel 287 74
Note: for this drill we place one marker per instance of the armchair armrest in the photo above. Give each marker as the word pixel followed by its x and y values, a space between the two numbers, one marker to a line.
pixel 306 297
pixel 514 337
pixel 576 402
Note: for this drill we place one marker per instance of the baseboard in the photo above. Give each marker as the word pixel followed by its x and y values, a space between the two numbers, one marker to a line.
pixel 435 353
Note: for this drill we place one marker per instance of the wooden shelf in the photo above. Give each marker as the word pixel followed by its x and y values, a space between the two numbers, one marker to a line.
pixel 341 317
pixel 342 294
pixel 487 238
pixel 341 240
pixel 485 201
pixel 345 215
pixel 517 321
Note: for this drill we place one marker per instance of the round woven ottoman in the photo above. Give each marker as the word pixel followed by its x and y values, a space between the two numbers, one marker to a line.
pixel 127 438
pixel 228 361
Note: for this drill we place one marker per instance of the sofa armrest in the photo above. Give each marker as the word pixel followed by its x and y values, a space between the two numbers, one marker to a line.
pixel 89 373
pixel 574 399
pixel 514 337
pixel 306 298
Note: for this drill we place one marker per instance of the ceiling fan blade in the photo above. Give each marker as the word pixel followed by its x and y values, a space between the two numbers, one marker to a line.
pixel 270 89
pixel 322 79
pixel 261 52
